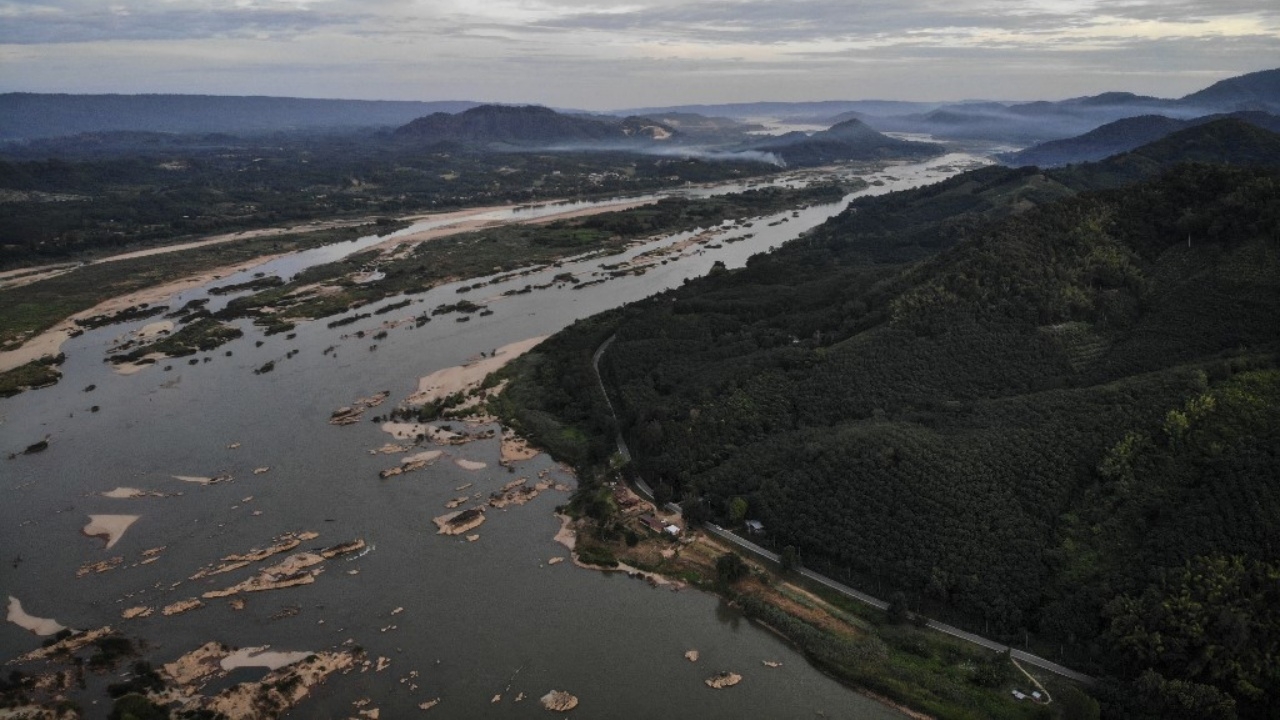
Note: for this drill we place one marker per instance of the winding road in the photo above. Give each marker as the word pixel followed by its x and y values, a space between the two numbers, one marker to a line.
pixel 746 545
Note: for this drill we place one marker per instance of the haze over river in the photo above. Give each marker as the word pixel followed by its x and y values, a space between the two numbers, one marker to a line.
pixel 479 619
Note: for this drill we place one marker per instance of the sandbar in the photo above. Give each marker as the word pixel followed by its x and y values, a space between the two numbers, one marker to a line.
pixel 125 493
pixel 443 383
pixel 37 625
pixel 261 656
pixel 723 680
pixel 460 521
pixel 49 343
pixel 152 330
pixel 469 464
pixel 111 527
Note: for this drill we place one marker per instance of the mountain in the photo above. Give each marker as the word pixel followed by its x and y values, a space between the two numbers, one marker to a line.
pixel 1041 121
pixel 530 125
pixel 1053 416
pixel 1122 136
pixel 32 115
pixel 849 140
pixel 817 109
pixel 1254 91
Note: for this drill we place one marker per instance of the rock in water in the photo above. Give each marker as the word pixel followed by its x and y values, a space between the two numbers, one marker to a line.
pixel 723 680
pixel 559 701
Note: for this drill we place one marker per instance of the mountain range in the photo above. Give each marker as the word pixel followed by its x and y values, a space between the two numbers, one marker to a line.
pixel 1122 136
pixel 29 115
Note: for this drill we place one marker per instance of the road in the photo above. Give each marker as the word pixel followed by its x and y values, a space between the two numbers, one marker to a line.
pixel 746 545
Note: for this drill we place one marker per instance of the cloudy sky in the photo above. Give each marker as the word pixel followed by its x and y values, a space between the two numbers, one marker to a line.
pixel 606 54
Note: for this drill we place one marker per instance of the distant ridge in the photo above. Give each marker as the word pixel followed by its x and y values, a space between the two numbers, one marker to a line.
pixel 1121 136
pixel 529 125
pixel 1254 91
pixel 848 140
pixel 33 115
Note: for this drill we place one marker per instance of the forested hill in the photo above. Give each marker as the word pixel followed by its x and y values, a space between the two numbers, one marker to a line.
pixel 1060 425
pixel 529 125
pixel 1122 136
pixel 847 140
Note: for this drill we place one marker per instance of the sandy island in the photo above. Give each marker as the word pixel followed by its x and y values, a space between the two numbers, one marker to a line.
pixel 37 625
pixel 111 527
pixel 49 342
pixel 261 657
pixel 459 522
pixel 462 378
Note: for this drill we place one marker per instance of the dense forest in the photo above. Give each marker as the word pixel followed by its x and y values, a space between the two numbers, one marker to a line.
pixel 1043 405
pixel 94 194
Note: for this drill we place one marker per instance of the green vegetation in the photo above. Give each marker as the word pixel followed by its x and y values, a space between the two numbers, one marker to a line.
pixel 1058 425
pixel 202 334
pixel 35 374
pixel 76 197
pixel 511 248
pixel 30 309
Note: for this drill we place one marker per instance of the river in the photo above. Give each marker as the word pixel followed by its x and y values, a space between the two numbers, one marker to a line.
pixel 460 621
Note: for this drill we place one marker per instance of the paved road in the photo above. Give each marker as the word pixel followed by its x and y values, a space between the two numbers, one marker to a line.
pixel 754 549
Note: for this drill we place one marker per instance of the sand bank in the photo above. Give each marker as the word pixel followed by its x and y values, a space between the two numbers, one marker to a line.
pixel 470 464
pixel 39 626
pixel 723 680
pixel 111 527
pixel 292 571
pixel 459 522
pixel 261 657
pixel 463 378
pixel 49 342
pixel 516 448
pixel 125 493
pixel 411 463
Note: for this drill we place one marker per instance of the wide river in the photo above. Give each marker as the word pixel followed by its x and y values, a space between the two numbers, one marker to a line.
pixel 472 623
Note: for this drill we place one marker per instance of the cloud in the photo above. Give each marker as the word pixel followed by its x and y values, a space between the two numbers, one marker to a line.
pixel 71 22
pixel 626 53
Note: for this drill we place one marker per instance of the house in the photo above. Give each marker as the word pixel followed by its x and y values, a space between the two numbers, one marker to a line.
pixel 755 527
pixel 651 522
pixel 672 530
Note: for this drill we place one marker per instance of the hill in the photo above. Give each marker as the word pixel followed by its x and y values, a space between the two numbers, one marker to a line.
pixel 1254 91
pixel 1040 121
pixel 1059 422
pixel 33 115
pixel 1122 136
pixel 848 140
pixel 529 125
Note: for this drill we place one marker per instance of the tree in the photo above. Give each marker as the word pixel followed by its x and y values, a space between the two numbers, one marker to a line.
pixel 898 608
pixel 694 510
pixel 737 511
pixel 730 568
pixel 790 558
pixel 995 671
pixel 662 495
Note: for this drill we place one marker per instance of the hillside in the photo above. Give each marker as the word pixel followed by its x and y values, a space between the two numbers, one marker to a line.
pixel 529 125
pixel 1122 136
pixel 848 140
pixel 1254 91
pixel 1041 121
pixel 1056 423
pixel 32 115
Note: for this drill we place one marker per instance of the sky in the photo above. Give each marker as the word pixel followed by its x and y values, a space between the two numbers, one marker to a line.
pixel 613 54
